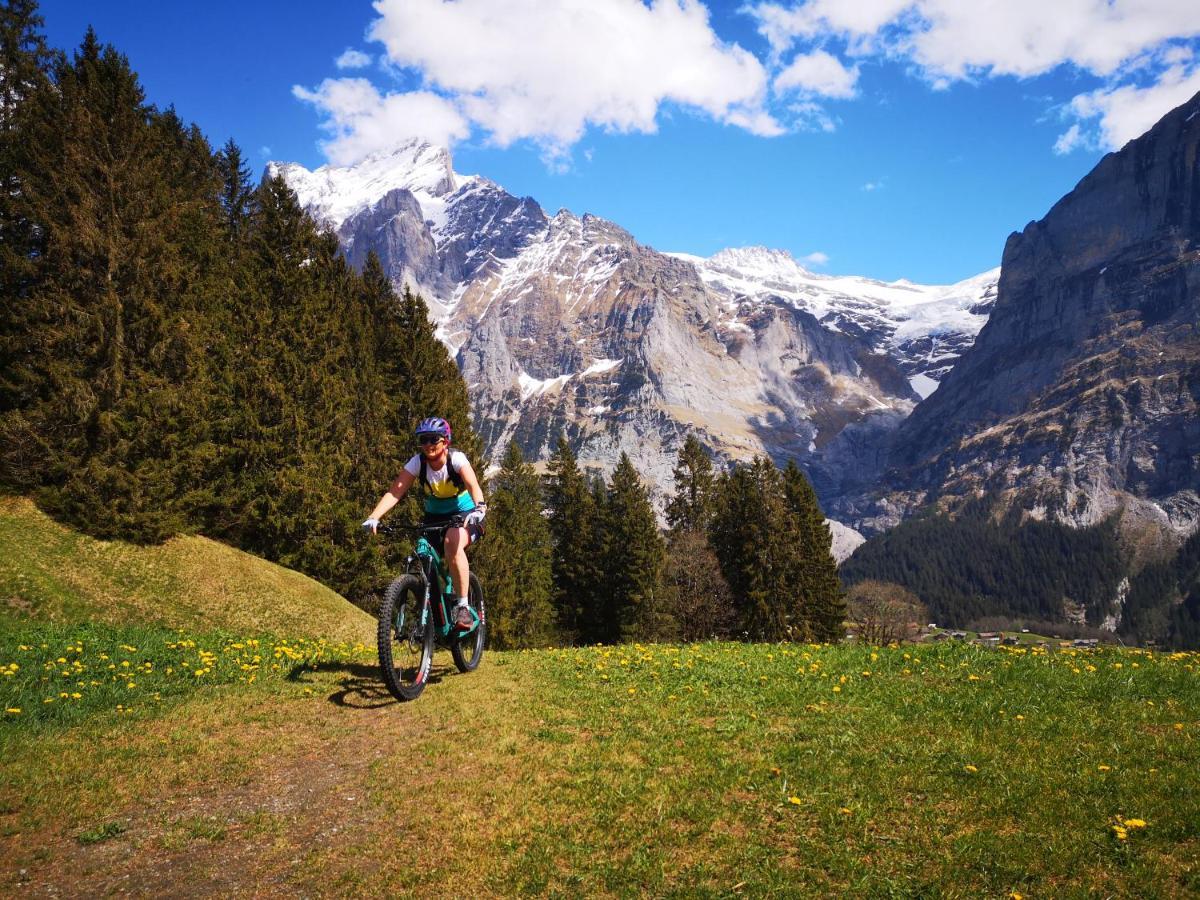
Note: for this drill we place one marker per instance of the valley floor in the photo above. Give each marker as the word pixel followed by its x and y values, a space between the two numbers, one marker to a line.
pixel 714 769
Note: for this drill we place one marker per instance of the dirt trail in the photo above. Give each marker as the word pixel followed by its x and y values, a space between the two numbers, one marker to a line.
pixel 352 795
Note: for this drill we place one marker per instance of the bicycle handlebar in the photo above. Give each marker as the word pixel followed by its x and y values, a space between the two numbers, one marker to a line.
pixel 457 522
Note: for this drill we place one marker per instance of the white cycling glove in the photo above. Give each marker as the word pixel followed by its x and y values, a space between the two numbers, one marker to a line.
pixel 475 516
pixel 371 525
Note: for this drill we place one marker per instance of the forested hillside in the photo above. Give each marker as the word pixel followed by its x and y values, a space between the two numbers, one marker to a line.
pixel 182 350
pixel 976 569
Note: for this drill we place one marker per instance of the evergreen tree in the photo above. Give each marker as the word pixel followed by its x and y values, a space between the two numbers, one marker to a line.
pixel 237 189
pixel 514 559
pixel 824 604
pixel 427 378
pixel 104 353
pixel 691 508
pixel 25 64
pixel 574 536
pixel 757 542
pixel 180 352
pixel 634 560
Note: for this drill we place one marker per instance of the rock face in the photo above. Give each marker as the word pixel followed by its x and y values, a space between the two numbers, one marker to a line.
pixel 1080 395
pixel 395 229
pixel 565 324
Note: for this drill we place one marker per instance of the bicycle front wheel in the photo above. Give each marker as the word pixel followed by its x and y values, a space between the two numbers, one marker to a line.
pixel 405 638
pixel 467 649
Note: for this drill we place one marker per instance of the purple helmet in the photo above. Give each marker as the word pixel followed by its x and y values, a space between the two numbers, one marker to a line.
pixel 434 425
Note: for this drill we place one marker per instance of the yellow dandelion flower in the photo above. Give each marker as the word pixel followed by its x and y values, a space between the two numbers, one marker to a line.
pixel 795 801
pixel 1135 823
pixel 845 810
pixel 13 710
pixel 970 768
pixel 1179 726
pixel 1103 768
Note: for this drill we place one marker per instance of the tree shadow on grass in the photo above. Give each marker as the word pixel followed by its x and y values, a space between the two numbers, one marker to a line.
pixel 362 685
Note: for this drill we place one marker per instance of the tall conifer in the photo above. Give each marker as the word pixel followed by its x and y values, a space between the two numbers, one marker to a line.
pixel 823 598
pixel 514 560
pixel 573 526
pixel 691 508
pixel 757 541
pixel 634 606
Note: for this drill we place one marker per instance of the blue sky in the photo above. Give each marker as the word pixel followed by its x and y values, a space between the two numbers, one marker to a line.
pixel 886 138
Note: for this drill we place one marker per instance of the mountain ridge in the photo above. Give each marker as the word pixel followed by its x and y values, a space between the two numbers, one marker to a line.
pixel 1080 398
pixel 759 361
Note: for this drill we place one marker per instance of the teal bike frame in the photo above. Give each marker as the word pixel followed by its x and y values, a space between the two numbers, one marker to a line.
pixel 427 562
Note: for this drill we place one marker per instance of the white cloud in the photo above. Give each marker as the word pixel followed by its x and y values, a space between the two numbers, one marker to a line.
pixel 524 69
pixel 1123 113
pixel 816 258
pixel 353 59
pixel 810 116
pixel 873 186
pixel 362 121
pixel 954 39
pixel 1070 139
pixel 818 73
pixel 1135 45
pixel 511 70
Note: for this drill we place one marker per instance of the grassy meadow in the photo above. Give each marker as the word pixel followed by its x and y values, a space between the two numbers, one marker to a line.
pixel 52 573
pixel 198 757
pixel 710 769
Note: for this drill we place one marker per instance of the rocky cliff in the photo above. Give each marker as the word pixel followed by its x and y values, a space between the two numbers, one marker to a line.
pixel 566 324
pixel 1079 396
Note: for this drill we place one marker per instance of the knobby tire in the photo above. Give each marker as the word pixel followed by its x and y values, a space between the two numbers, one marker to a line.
pixel 405 647
pixel 467 650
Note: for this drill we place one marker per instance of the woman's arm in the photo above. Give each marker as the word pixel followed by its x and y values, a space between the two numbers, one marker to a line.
pixel 394 494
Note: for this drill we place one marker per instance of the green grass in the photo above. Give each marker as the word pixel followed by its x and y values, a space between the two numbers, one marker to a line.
pixel 53 675
pixel 911 771
pixel 707 770
pixel 49 572
pixel 190 738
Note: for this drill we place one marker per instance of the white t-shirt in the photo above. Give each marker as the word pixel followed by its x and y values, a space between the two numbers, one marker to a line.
pixel 440 485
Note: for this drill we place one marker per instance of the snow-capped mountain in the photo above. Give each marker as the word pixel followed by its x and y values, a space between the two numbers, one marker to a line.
pixel 925 327
pixel 333 194
pixel 565 323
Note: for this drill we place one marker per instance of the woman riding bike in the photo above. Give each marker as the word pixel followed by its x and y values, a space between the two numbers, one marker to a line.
pixel 449 489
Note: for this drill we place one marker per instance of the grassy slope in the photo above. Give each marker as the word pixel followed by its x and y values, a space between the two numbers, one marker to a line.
pixel 708 770
pixel 282 766
pixel 51 573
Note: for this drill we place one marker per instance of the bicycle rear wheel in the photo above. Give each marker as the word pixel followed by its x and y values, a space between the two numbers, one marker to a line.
pixel 405 637
pixel 467 649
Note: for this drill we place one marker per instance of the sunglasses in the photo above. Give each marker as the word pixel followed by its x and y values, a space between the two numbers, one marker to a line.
pixel 427 439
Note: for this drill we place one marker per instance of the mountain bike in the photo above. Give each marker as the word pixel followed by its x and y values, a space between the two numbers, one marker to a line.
pixel 416 613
